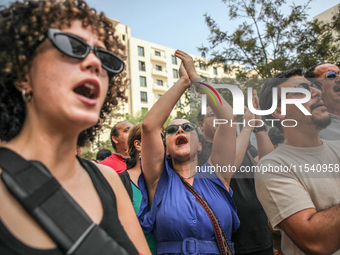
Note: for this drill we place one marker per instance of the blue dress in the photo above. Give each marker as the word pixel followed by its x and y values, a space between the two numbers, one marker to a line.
pixel 176 215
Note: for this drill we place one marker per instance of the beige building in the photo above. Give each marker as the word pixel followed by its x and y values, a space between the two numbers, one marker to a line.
pixel 152 70
pixel 327 15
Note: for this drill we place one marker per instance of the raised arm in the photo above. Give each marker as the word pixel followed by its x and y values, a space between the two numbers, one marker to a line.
pixel 242 140
pixel 152 144
pixel 264 145
pixel 224 143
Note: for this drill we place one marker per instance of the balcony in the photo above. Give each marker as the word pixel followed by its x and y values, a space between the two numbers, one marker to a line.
pixel 163 88
pixel 161 58
pixel 163 73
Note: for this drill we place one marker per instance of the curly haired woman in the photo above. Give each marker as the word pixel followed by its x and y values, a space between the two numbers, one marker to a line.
pixel 61 70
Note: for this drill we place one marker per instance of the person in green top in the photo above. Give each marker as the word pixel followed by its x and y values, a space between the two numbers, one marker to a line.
pixel 131 175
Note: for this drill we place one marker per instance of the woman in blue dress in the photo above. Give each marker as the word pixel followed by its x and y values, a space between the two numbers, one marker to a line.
pixel 169 211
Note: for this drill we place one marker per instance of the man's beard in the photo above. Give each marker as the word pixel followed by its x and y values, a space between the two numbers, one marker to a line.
pixel 320 123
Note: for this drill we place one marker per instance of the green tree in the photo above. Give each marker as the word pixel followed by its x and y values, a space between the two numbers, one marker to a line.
pixel 269 41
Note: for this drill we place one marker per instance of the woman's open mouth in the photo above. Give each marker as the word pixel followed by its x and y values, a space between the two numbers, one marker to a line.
pixel 87 90
pixel 181 140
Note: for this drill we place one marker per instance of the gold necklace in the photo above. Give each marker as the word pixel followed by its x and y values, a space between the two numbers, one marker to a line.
pixel 189 176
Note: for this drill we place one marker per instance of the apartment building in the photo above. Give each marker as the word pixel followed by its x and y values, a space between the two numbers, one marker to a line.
pixel 152 70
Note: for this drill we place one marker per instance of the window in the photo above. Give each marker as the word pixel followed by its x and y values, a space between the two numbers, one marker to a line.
pixel 141 65
pixel 174 60
pixel 144 111
pixel 202 66
pixel 141 51
pixel 178 104
pixel 215 70
pixel 175 73
pixel 159 96
pixel 142 81
pixel 123 37
pixel 143 97
pixel 157 53
pixel 158 68
pixel 159 82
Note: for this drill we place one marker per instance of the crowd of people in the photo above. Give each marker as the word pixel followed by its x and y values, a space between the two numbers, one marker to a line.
pixel 159 192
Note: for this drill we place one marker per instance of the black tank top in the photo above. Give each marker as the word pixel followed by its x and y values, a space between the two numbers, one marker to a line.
pixel 110 222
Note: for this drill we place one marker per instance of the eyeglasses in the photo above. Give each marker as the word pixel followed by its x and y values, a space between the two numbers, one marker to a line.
pixel 187 127
pixel 315 84
pixel 75 47
pixel 332 75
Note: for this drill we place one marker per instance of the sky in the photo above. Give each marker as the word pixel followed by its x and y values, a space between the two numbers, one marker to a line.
pixel 178 24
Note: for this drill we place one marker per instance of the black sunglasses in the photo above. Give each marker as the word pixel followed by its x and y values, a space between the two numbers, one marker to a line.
pixel 188 127
pixel 75 47
pixel 332 75
pixel 314 84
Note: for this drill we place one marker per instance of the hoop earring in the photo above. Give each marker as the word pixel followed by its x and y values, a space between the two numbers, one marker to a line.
pixel 168 156
pixel 199 152
pixel 29 96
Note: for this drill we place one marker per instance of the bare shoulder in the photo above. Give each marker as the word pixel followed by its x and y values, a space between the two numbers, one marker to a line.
pixel 110 175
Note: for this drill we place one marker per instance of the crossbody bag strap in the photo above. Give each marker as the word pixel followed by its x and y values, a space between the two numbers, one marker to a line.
pixel 221 238
pixel 251 158
pixel 53 208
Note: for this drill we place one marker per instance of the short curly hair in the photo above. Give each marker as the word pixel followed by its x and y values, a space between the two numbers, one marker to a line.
pixel 21 25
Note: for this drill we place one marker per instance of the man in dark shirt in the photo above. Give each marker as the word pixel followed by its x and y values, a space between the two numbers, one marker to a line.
pixel 253 235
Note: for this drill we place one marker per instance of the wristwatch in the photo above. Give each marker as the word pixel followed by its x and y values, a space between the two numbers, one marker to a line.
pixel 259 129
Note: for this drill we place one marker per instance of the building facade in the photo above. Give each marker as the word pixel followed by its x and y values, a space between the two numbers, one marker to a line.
pixel 152 69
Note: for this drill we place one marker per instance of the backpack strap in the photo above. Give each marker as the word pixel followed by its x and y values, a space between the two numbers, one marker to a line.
pixel 41 195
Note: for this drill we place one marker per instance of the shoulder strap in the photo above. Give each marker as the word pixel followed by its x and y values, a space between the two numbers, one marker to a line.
pixel 41 195
pixel 221 238
pixel 251 158
pixel 125 177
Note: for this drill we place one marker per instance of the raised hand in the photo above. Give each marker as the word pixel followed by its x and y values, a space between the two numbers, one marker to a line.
pixel 188 63
pixel 248 115
pixel 256 104
pixel 183 74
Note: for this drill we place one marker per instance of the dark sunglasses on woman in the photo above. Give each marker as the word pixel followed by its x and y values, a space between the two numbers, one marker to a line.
pixel 75 47
pixel 187 127
pixel 332 75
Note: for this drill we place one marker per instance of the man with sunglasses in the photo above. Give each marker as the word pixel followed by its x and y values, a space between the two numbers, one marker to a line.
pixel 301 199
pixel 329 76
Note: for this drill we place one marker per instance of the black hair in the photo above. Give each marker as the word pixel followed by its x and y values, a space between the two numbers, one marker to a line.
pixel 103 154
pixel 114 132
pixel 310 74
pixel 266 95
pixel 275 136
pixel 200 117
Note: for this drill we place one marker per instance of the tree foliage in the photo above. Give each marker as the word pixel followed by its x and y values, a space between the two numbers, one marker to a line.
pixel 269 41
